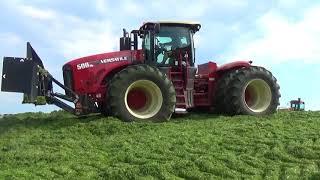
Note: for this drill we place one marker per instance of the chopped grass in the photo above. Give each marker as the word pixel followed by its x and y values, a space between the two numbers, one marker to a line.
pixel 198 146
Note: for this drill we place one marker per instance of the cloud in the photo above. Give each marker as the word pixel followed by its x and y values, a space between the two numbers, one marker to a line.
pixel 281 39
pixel 85 38
pixel 132 8
pixel 192 10
pixel 287 3
pixel 10 39
pixel 62 34
pixel 101 6
pixel 40 14
pixel 167 10
pixel 68 35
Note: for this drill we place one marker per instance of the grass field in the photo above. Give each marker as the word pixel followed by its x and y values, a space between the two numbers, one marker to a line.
pixel 198 146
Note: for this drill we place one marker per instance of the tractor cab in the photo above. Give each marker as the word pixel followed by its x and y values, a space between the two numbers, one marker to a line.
pixel 297 105
pixel 170 47
pixel 165 43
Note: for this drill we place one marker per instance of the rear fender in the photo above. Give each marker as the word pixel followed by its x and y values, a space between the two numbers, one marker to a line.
pixel 233 65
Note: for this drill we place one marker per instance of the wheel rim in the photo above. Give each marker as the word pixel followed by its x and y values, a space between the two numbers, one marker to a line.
pixel 257 95
pixel 143 99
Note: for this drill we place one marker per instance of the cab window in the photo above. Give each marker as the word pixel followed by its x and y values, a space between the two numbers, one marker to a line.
pixel 146 42
pixel 169 39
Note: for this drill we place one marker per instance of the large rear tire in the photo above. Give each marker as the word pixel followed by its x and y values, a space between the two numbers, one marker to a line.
pixel 252 91
pixel 220 105
pixel 141 93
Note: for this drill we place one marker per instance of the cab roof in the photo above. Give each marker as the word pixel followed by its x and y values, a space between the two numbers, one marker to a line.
pixel 174 22
pixel 194 25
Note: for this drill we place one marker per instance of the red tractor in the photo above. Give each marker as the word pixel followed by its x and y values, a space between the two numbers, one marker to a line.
pixel 150 83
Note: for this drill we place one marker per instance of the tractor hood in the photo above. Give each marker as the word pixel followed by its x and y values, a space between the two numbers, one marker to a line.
pixel 86 74
pixel 88 62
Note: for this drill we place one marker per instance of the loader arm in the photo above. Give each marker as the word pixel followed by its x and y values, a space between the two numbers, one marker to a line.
pixel 28 76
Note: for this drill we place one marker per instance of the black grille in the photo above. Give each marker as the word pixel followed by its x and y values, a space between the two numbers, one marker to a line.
pixel 68 78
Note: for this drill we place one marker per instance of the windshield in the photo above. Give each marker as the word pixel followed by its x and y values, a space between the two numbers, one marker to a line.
pixel 173 37
pixel 169 38
pixel 295 106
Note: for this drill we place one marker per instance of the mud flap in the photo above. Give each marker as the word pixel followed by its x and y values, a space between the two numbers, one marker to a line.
pixel 22 75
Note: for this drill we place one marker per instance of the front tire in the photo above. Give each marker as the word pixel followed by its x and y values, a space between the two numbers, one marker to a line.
pixel 141 93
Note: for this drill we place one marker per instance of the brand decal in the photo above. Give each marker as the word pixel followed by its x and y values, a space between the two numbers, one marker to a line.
pixel 110 60
pixel 84 66
pixel 87 65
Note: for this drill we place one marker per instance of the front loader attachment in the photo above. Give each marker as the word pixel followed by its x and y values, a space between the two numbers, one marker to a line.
pixel 28 76
pixel 22 75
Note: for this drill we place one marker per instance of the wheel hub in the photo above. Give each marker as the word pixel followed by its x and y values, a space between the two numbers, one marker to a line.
pixel 143 99
pixel 257 95
pixel 136 99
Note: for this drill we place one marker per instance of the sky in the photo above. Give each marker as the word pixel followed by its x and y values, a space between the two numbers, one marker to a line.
pixel 281 35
